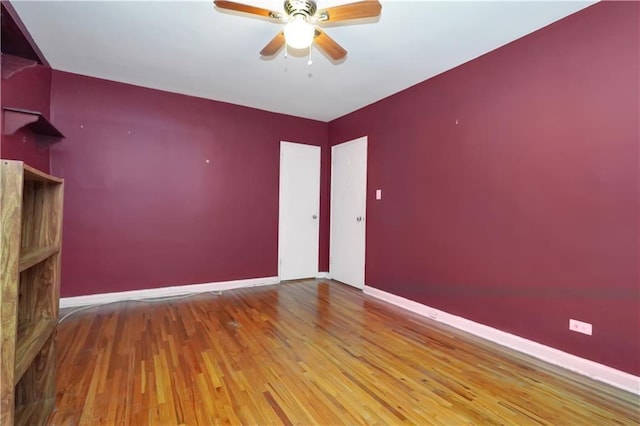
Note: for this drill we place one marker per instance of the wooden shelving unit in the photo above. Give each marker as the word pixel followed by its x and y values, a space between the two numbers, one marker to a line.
pixel 30 231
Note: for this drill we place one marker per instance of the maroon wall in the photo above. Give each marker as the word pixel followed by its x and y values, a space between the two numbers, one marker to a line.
pixel 144 209
pixel 28 89
pixel 511 187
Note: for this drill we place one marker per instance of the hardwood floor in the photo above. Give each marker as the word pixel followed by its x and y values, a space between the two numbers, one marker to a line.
pixel 306 352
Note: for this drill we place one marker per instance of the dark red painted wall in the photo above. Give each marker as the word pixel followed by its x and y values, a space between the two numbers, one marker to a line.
pixel 144 209
pixel 24 146
pixel 511 187
pixel 28 89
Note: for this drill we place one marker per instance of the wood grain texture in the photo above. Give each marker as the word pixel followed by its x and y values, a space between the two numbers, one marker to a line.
pixel 31 236
pixel 329 45
pixel 306 352
pixel 41 214
pixel 354 10
pixel 240 7
pixel 36 298
pixel 35 413
pixel 38 382
pixel 274 45
pixel 11 179
pixel 35 392
pixel 31 341
pixel 29 258
pixel 32 174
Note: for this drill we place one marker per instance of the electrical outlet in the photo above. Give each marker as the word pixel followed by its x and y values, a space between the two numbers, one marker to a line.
pixel 580 327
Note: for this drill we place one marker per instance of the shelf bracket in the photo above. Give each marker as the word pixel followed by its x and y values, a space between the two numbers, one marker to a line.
pixel 15 119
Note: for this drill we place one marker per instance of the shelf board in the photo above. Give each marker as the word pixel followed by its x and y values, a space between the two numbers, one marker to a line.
pixel 31 257
pixel 32 174
pixel 17 118
pixel 30 341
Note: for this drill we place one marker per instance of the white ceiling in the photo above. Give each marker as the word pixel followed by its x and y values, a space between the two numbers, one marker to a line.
pixel 192 48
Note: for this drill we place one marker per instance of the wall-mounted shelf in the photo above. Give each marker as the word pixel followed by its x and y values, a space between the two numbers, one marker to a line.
pixel 15 119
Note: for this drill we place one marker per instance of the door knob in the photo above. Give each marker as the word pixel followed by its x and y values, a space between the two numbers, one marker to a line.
pixel 315 216
pixel 359 219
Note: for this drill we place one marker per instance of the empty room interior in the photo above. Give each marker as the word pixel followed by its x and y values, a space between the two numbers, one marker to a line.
pixel 396 212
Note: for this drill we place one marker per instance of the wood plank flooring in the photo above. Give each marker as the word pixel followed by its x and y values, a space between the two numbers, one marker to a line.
pixel 306 352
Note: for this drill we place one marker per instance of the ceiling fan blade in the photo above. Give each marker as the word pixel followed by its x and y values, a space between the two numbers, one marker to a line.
pixel 274 45
pixel 329 46
pixel 360 9
pixel 239 7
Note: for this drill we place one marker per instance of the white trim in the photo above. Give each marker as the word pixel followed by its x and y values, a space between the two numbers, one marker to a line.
pixel 594 370
pixel 323 276
pixel 96 299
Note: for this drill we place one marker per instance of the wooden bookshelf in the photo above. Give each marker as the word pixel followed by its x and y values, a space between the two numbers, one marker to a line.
pixel 31 231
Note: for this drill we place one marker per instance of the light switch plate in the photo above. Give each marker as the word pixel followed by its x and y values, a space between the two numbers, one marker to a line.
pixel 378 194
pixel 580 327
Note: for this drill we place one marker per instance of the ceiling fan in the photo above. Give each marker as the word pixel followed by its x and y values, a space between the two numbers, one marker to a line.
pixel 302 18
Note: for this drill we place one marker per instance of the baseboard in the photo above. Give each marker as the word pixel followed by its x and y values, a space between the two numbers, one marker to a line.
pixel 594 370
pixel 323 276
pixel 96 299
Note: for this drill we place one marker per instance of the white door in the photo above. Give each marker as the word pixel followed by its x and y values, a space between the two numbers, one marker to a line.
pixel 298 228
pixel 348 208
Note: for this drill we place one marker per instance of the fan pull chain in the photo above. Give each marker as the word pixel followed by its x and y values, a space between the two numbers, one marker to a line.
pixel 310 61
pixel 286 50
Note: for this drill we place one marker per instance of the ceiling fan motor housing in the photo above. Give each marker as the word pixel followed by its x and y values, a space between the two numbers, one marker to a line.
pixel 305 8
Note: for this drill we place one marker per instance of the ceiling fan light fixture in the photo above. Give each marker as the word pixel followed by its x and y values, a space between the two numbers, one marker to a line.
pixel 303 22
pixel 299 33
